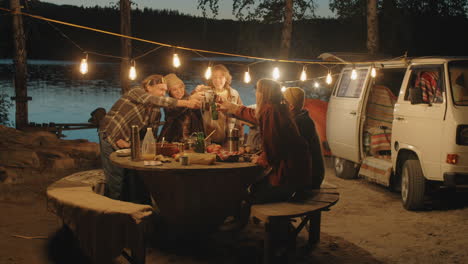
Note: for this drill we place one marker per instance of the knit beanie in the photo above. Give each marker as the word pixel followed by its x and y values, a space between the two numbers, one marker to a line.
pixel 295 97
pixel 172 80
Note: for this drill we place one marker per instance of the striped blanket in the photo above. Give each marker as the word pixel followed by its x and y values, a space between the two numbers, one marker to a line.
pixel 380 107
pixel 427 81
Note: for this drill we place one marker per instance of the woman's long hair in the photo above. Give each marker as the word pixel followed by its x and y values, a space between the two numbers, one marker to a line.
pixel 227 75
pixel 269 92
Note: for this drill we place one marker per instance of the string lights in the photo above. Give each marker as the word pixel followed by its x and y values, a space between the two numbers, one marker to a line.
pixel 208 73
pixel 329 79
pixel 247 78
pixel 176 60
pixel 303 74
pixel 276 73
pixel 84 65
pixel 353 74
pixel 132 73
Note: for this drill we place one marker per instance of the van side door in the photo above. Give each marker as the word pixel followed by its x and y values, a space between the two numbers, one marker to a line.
pixel 419 116
pixel 344 114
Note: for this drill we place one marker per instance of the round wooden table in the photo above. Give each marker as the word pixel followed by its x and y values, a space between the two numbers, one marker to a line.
pixel 194 199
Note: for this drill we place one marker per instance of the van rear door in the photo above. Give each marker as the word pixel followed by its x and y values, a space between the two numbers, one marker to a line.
pixel 344 113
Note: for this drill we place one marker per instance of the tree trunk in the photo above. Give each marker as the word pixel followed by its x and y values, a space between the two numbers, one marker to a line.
pixel 372 27
pixel 126 44
pixel 287 30
pixel 21 91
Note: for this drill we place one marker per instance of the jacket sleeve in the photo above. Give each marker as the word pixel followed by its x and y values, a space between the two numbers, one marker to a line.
pixel 140 96
pixel 247 114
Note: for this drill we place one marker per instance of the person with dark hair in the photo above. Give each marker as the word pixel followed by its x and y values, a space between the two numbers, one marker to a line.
pixel 140 106
pixel 295 97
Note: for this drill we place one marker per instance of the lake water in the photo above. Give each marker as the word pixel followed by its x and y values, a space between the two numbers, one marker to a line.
pixel 61 95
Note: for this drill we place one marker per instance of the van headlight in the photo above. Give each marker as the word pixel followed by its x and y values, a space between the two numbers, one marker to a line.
pixel 462 135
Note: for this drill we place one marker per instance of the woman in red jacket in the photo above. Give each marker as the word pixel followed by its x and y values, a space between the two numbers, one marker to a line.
pixel 285 156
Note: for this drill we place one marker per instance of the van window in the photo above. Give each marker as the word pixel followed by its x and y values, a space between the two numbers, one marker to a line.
pixel 426 83
pixel 458 72
pixel 349 87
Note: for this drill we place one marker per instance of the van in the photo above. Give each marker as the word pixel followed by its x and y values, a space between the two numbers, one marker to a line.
pixel 402 123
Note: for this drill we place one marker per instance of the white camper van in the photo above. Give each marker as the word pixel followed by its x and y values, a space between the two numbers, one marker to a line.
pixel 406 128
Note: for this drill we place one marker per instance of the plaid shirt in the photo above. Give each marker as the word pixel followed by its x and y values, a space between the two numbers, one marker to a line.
pixel 137 107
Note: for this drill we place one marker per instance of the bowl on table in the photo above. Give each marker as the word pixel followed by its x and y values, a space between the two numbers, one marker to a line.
pixel 167 149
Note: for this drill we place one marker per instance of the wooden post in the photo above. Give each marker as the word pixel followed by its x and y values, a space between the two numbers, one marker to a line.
pixel 287 30
pixel 21 93
pixel 372 27
pixel 126 44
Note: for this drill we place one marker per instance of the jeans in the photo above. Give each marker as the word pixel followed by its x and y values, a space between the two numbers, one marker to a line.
pixel 121 184
pixel 114 175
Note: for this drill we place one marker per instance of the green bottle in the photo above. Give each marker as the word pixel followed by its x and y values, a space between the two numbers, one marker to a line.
pixel 214 111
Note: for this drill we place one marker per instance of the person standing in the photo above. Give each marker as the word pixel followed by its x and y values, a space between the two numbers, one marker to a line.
pixel 220 84
pixel 295 97
pixel 140 106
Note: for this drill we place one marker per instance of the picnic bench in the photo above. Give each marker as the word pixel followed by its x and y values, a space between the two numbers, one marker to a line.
pixel 102 226
pixel 280 234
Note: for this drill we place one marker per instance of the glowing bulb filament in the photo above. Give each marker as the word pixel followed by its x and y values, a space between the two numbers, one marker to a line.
pixel 303 75
pixel 283 89
pixel 373 72
pixel 84 66
pixel 276 73
pixel 208 73
pixel 316 84
pixel 132 73
pixel 247 78
pixel 329 79
pixel 353 74
pixel 176 60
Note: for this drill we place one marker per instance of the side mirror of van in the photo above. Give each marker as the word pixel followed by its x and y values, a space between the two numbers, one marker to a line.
pixel 415 95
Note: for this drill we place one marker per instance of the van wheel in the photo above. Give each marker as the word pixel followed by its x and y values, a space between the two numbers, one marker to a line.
pixel 413 185
pixel 345 169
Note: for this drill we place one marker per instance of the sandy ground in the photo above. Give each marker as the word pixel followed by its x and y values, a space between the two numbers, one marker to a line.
pixel 368 225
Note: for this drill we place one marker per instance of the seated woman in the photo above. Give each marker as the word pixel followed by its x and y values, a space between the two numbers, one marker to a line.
pixel 285 155
pixel 180 122
pixel 220 84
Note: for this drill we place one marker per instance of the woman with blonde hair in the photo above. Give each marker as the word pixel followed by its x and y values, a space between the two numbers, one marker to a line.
pixel 285 155
pixel 220 84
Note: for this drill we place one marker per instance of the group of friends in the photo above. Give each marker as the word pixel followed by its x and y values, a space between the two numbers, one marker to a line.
pixel 291 154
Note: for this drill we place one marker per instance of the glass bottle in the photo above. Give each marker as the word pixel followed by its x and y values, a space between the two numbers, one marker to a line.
pixel 148 148
pixel 200 142
pixel 214 111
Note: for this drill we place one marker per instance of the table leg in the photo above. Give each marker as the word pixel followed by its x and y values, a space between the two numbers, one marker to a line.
pixel 314 228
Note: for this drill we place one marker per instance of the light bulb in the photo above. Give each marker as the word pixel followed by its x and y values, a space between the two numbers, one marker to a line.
pixel 84 66
pixel 353 74
pixel 247 78
pixel 316 84
pixel 132 73
pixel 208 73
pixel 283 89
pixel 373 72
pixel 176 60
pixel 329 79
pixel 303 75
pixel 276 73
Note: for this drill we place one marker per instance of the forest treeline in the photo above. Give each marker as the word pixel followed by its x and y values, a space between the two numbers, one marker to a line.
pixel 399 33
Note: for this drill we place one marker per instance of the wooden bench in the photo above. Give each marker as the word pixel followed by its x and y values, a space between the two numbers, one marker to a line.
pixel 280 234
pixel 103 226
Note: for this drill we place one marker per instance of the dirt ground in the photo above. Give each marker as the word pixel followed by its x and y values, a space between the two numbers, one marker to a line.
pixel 367 225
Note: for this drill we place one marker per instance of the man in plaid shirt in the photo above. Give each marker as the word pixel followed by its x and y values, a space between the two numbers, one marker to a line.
pixel 140 106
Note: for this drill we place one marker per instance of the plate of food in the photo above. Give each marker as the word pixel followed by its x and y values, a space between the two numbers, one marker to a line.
pixel 123 152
